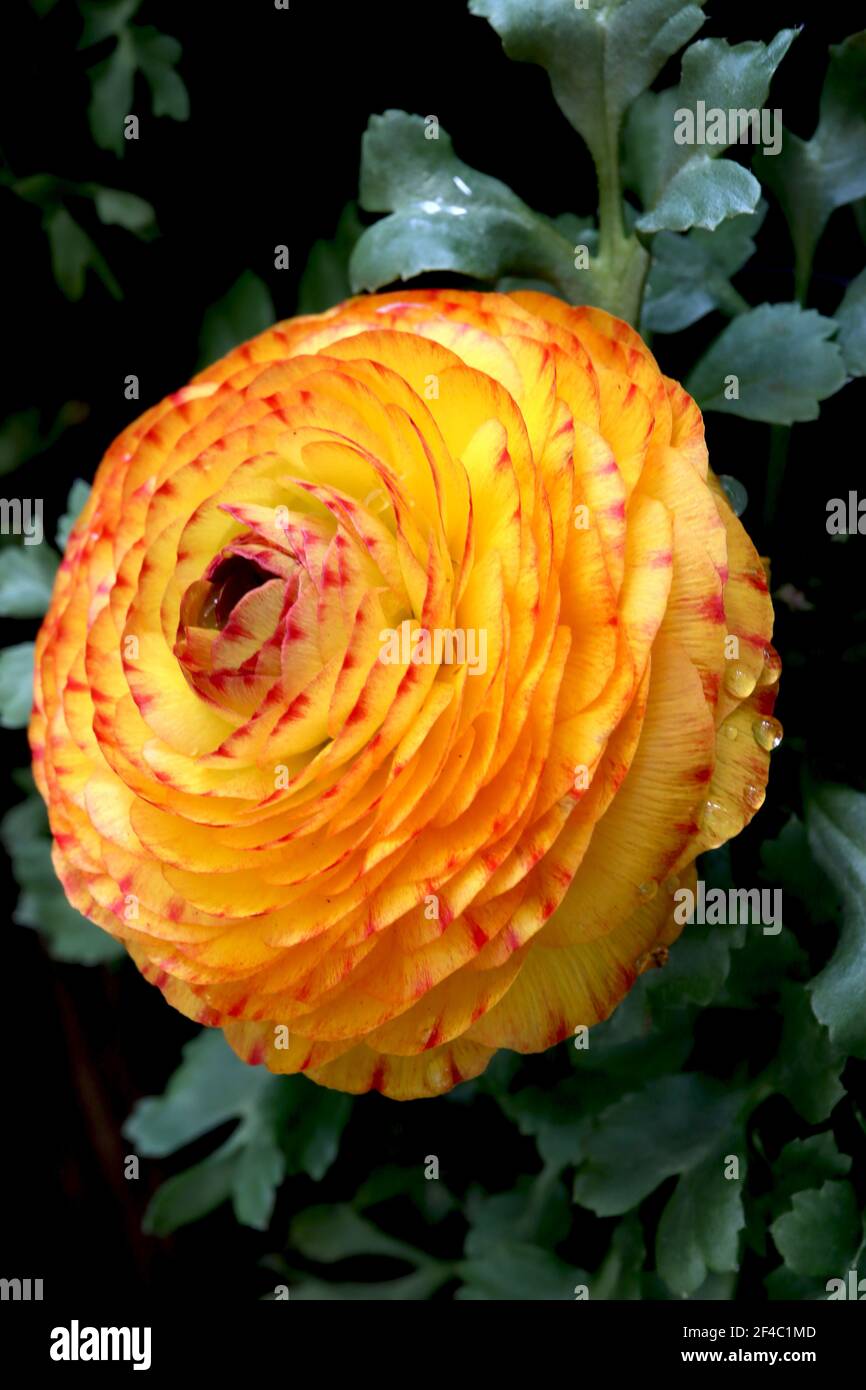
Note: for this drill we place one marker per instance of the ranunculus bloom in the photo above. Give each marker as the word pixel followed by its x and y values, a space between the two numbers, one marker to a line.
pixel 317 821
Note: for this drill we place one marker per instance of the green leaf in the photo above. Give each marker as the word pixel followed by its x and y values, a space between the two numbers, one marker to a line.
pixel 515 1272
pixel 325 281
pixel 790 864
pixel 620 1274
pixel 690 275
pixel 139 48
pixel 808 1067
pixel 836 824
pixel 598 59
pixel 820 1235
pixel 73 254
pixel 702 194
pixel 811 178
pixel 806 1163
pixel 679 1119
pixel 112 84
pixel 328 1234
pixel 116 208
pixel 158 55
pixel 851 318
pixel 723 78
pixel 244 311
pixel 210 1086
pixel 190 1195
pixel 312 1140
pixel 447 216
pixel 420 1284
pixel 260 1168
pixel 780 387
pixel 536 1211
pixel 699 1230
pixel 75 502
pixel 42 904
pixel 104 19
pixel 16 685
pixel 26 579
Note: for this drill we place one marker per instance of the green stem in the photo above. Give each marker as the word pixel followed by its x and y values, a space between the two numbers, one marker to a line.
pixel 622 263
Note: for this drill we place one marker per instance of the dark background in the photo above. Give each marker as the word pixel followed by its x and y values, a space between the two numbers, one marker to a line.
pixel 270 155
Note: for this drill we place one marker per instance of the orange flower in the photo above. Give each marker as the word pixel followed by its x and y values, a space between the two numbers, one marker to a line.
pixel 397 670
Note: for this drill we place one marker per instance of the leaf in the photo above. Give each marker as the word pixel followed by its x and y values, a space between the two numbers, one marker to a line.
pixel 536 1211
pixel 515 1272
pixel 836 825
pixel 312 1138
pixel 821 1233
pixel 75 502
pixel 190 1195
pixel 117 208
pixel 699 1230
pixel 420 1284
pixel 790 864
pixel 598 59
pixel 807 1162
pixel 42 904
pixel 112 84
pixel 620 1274
pixel 678 1118
pixel 325 281
pixel 104 19
pixel 723 77
pixel 139 48
pixel 328 1234
pixel 244 311
pixel 446 216
pixel 851 318
pixel 702 194
pixel 158 55
pixel 16 685
pixel 811 178
pixel 260 1168
pixel 26 580
pixel 73 254
pixel 808 1067
pixel 778 386
pixel 210 1086
pixel 690 275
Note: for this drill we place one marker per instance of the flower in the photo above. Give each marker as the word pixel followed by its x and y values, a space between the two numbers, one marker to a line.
pixel 363 855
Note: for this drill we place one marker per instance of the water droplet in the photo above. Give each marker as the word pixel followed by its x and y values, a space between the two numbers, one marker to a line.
pixel 648 890
pixel 768 733
pixel 730 731
pixel 739 680
pixel 735 493
pixel 718 823
pixel 672 884
pixel 772 666
pixel 755 797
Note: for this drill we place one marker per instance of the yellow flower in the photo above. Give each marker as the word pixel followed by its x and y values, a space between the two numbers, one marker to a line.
pixel 397 670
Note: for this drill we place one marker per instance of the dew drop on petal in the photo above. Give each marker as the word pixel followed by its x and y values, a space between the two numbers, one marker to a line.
pixel 768 733
pixel 648 890
pixel 772 666
pixel 739 681
pixel 735 493
pixel 755 797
